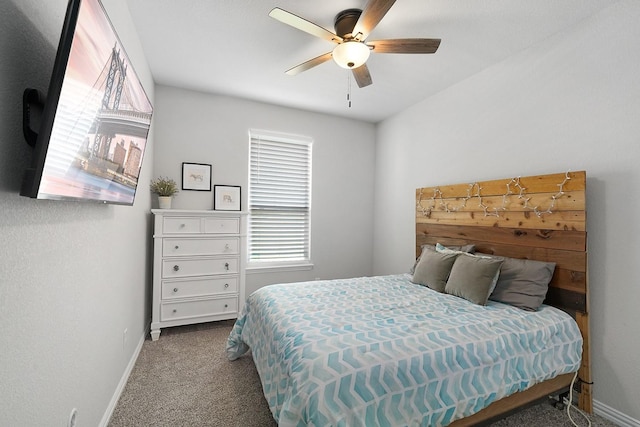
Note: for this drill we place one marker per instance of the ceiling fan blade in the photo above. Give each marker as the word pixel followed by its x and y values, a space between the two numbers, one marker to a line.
pixel 362 76
pixel 309 64
pixel 405 45
pixel 372 14
pixel 302 24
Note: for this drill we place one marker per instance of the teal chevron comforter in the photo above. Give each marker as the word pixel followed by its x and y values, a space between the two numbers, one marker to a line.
pixel 382 351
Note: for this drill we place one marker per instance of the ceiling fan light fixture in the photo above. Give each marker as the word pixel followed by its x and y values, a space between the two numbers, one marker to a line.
pixel 351 54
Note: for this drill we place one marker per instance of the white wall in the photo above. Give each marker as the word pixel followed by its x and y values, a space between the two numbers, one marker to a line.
pixel 72 276
pixel 571 102
pixel 201 128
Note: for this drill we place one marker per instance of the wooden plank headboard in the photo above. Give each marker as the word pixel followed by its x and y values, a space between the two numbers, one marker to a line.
pixel 539 217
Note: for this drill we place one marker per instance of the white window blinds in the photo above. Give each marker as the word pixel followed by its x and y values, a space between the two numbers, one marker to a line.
pixel 279 198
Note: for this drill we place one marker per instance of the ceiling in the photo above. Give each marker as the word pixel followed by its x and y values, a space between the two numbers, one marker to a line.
pixel 232 47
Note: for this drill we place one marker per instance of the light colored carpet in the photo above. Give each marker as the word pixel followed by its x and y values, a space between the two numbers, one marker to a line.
pixel 185 379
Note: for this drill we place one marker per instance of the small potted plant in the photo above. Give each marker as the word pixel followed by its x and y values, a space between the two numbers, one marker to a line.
pixel 165 188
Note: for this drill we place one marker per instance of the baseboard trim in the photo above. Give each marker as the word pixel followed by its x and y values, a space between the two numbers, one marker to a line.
pixel 614 415
pixel 123 381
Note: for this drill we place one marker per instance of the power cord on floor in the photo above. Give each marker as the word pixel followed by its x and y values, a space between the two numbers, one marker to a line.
pixel 570 404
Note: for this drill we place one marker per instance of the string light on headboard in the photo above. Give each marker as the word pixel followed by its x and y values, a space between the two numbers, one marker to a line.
pixel 438 199
pixel 426 211
pixel 555 197
pixel 496 211
pixel 437 194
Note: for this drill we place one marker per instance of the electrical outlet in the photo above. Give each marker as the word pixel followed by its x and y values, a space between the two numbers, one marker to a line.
pixel 72 418
pixel 124 339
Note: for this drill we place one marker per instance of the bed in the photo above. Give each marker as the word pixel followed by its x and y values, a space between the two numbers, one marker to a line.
pixel 388 351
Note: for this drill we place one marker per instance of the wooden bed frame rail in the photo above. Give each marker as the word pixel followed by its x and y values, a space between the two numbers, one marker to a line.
pixel 540 217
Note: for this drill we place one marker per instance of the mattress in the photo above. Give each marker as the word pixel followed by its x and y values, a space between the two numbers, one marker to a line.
pixel 382 351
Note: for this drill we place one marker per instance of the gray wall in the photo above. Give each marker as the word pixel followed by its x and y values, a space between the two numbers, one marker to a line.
pixel 202 128
pixel 72 276
pixel 569 103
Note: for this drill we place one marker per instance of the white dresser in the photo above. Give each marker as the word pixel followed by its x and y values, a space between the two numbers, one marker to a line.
pixel 198 267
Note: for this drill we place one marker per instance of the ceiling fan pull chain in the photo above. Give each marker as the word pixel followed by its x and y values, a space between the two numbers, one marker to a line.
pixel 349 88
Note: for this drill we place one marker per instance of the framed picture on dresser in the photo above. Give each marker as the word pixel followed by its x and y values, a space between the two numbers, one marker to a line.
pixel 196 176
pixel 226 197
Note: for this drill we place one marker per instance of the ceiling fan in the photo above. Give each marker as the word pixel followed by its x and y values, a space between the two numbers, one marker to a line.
pixel 352 27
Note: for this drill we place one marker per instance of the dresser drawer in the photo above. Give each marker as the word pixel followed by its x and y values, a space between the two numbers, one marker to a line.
pixel 222 225
pixel 198 308
pixel 197 246
pixel 199 267
pixel 175 225
pixel 199 287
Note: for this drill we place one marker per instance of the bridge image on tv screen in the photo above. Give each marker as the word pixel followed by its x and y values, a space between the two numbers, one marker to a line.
pixel 102 119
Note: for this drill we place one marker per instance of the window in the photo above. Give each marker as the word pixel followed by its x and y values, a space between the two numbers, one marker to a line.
pixel 279 199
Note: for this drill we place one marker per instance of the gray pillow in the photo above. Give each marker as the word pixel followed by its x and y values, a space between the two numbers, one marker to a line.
pixel 523 283
pixel 433 269
pixel 473 278
pixel 464 248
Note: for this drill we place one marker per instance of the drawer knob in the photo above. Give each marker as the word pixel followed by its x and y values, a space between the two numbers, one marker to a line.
pixel 177 247
pixel 226 285
pixel 176 268
pixel 226 247
pixel 226 305
pixel 226 266
pixel 175 289
pixel 182 225
pixel 175 311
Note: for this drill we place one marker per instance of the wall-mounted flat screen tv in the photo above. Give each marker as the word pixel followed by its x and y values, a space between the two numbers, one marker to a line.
pixel 95 118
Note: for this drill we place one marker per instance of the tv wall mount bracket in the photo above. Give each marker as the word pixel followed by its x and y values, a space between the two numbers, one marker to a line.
pixel 30 98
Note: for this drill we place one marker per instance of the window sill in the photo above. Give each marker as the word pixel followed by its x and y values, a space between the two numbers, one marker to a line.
pixel 275 267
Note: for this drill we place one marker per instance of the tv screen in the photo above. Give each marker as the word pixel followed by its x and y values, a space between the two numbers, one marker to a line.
pixel 96 116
